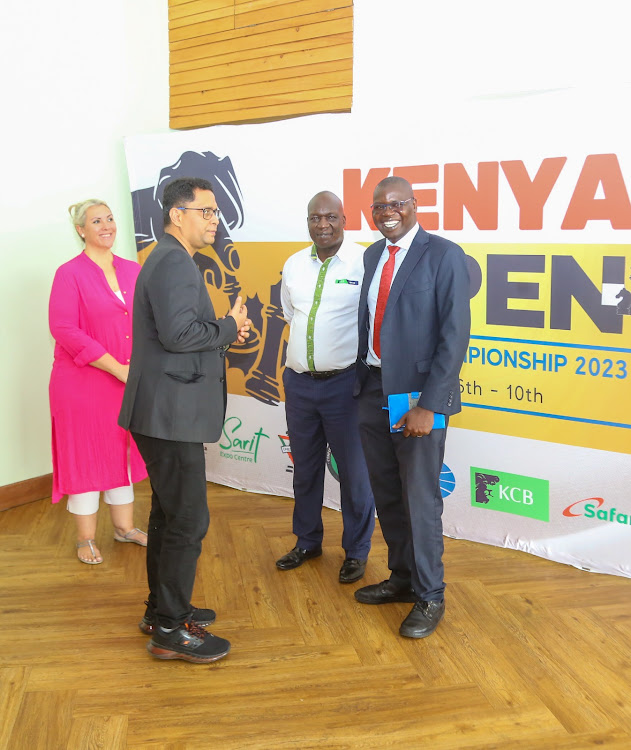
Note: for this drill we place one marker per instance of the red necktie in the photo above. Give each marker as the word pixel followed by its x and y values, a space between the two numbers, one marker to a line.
pixel 382 298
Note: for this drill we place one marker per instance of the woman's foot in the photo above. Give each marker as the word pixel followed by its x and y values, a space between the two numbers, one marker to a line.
pixel 88 552
pixel 136 536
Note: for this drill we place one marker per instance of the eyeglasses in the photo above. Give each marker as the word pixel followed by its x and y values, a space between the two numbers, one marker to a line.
pixel 394 205
pixel 206 212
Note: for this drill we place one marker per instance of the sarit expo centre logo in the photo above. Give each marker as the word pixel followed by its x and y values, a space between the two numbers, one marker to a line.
pixel 239 444
pixel 510 493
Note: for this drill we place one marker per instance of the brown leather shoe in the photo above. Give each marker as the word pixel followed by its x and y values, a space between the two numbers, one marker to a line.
pixel 296 557
pixel 384 593
pixel 352 570
pixel 423 619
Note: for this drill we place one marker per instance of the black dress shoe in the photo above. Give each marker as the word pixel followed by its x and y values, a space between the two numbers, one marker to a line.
pixel 423 619
pixel 201 617
pixel 384 593
pixel 352 570
pixel 296 557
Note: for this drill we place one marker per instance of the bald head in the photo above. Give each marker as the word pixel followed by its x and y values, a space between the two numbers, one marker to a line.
pixel 327 197
pixel 395 183
pixel 326 222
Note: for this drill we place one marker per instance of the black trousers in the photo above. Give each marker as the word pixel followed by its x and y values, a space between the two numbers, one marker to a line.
pixel 405 478
pixel 178 522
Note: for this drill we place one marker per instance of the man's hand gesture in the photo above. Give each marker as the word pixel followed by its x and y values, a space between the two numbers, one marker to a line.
pixel 240 313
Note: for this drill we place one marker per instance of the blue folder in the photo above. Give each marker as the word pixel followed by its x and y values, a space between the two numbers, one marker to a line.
pixel 400 403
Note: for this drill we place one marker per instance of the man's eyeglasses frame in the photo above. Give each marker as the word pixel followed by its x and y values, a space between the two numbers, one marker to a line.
pixel 207 213
pixel 394 205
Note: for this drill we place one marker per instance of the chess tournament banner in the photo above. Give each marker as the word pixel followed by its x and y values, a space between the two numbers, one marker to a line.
pixel 540 458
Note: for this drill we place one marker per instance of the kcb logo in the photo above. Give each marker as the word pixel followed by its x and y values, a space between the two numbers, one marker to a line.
pixel 510 493
pixel 516 494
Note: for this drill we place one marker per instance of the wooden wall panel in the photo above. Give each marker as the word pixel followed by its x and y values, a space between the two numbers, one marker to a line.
pixel 20 493
pixel 256 60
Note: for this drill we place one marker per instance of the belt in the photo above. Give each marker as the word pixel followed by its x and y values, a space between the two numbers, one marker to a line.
pixel 325 374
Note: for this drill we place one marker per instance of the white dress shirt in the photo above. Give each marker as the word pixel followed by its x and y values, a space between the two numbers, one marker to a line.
pixel 373 291
pixel 335 330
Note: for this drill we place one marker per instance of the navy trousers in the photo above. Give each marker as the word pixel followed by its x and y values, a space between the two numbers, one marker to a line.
pixel 320 412
pixel 405 477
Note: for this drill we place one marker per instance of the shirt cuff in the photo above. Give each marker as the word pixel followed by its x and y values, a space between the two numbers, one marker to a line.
pixel 90 353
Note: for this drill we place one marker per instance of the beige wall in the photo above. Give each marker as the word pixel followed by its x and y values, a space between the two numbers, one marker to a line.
pixel 77 77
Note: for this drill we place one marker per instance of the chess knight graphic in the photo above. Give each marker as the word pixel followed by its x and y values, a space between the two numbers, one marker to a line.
pixel 259 359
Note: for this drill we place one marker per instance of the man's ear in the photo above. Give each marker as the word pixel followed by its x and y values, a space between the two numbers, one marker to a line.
pixel 176 216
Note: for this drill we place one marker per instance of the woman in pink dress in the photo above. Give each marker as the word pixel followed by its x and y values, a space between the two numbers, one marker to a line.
pixel 90 315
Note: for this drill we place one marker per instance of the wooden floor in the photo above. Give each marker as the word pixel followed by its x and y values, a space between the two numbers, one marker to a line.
pixel 531 654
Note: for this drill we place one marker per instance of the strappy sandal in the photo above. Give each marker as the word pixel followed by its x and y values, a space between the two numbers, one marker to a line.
pixel 89 543
pixel 132 536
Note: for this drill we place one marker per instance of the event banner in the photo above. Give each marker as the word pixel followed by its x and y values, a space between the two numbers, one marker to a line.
pixel 540 457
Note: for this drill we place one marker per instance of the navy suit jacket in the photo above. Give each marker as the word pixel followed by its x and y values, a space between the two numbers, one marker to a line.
pixel 426 324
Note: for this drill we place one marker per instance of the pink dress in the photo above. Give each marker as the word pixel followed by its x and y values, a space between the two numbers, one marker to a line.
pixel 88 320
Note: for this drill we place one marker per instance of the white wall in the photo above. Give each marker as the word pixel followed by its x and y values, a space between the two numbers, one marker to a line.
pixel 77 77
pixel 454 50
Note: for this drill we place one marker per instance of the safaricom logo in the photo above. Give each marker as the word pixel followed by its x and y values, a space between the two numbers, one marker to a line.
pixel 591 507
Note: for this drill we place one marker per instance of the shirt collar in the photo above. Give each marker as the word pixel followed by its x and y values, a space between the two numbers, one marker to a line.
pixel 407 239
pixel 345 253
pixel 86 257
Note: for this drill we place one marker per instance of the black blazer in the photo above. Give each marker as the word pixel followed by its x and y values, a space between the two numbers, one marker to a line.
pixel 176 388
pixel 426 324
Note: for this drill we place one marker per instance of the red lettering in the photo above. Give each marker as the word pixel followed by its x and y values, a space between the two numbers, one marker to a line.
pixel 427 173
pixel 531 195
pixel 461 193
pixel 615 207
pixel 601 173
pixel 358 196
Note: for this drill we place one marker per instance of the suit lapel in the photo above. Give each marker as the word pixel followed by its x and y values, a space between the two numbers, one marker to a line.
pixel 371 258
pixel 417 249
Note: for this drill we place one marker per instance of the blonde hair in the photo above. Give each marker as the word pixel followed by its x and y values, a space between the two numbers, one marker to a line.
pixel 78 211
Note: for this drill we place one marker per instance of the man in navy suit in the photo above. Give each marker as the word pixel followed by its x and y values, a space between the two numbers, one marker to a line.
pixel 414 324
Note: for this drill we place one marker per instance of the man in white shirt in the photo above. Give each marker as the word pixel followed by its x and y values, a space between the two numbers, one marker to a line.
pixel 320 295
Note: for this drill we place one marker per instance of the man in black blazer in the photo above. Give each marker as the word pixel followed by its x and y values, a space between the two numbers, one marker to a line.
pixel 414 326
pixel 174 402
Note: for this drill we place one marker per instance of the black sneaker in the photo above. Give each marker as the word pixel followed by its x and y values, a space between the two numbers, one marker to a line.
pixel 201 617
pixel 188 642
